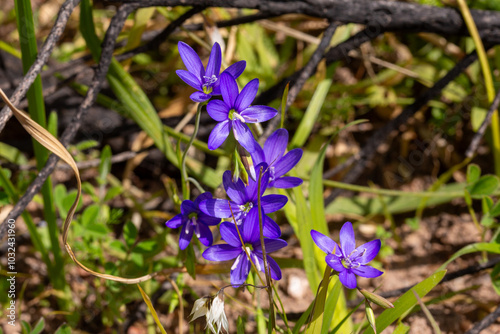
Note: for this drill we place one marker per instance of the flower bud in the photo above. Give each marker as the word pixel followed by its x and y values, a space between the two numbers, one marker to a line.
pixel 374 298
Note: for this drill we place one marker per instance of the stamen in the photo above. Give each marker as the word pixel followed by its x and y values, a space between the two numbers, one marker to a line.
pixel 238 116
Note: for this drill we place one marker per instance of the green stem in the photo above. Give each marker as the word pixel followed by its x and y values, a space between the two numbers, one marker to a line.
pixel 272 316
pixel 36 108
pixel 488 80
pixel 184 175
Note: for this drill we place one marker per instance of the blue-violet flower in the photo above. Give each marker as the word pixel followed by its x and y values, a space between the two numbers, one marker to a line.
pixel 234 249
pixel 193 221
pixel 279 165
pixel 206 82
pixel 235 111
pixel 347 260
pixel 244 202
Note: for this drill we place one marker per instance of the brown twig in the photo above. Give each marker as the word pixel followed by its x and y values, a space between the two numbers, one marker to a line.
pixel 41 60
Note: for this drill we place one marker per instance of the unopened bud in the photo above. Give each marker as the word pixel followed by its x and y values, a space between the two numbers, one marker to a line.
pixel 374 298
pixel 370 315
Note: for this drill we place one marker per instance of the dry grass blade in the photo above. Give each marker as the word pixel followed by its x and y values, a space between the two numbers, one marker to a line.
pixel 52 144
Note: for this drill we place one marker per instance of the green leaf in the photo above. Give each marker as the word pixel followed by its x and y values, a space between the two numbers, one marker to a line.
pixel 331 305
pixel 319 304
pixel 40 325
pixel 473 173
pixel 495 278
pixel 12 154
pixel 89 215
pixel 129 233
pixel 104 165
pixel 477 247
pixel 485 186
pixel 191 261
pixel 64 329
pixel 406 302
pixel 495 210
pixel 112 193
pixel 25 327
pixel 240 325
pixel 147 247
pixel 401 329
pixel 313 109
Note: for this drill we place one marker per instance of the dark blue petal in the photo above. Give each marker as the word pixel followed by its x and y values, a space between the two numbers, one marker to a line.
pixel 256 114
pixel 200 97
pixel 191 60
pixel 228 89
pixel 222 252
pixel 275 146
pixel 186 235
pixel 240 269
pixel 287 182
pixel 202 197
pixel 235 191
pixel 236 69
pixel 326 244
pixel 258 155
pixel 208 220
pixel 335 263
pixel 270 228
pixel 205 235
pixel 219 208
pixel 214 61
pixel 285 164
pixel 272 245
pixel 247 95
pixel 229 234
pixel 367 271
pixel 219 134
pixel 252 189
pixel 348 279
pixel 347 241
pixel 218 110
pixel 188 207
pixel 275 269
pixel 250 228
pixel 370 250
pixel 272 203
pixel 189 78
pixel 243 135
pixel 176 221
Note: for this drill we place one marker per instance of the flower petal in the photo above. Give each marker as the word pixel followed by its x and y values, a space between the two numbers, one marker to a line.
pixel 270 228
pixel 191 59
pixel 235 191
pixel 218 110
pixel 348 279
pixel 207 220
pixel 275 146
pixel 243 135
pixel 186 235
pixel 229 234
pixel 326 244
pixel 258 155
pixel 370 250
pixel 335 263
pixel 256 114
pixel 188 207
pixel 283 165
pixel 200 97
pixel 367 271
pixel 202 197
pixel 247 95
pixel 219 208
pixel 286 182
pixel 214 61
pixel 189 78
pixel 253 185
pixel 250 228
pixel 272 245
pixel 240 269
pixel 205 235
pixel 236 69
pixel 228 89
pixel 176 221
pixel 221 252
pixel 219 134
pixel 272 203
pixel 275 268
pixel 347 241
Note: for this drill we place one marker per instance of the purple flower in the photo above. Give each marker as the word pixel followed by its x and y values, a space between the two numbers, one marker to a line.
pixel 193 221
pixel 206 82
pixel 234 249
pixel 347 260
pixel 279 165
pixel 244 203
pixel 234 111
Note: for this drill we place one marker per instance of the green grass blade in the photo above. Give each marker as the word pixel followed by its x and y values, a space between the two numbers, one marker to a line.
pixel 477 247
pixel 331 305
pixel 406 302
pixel 319 305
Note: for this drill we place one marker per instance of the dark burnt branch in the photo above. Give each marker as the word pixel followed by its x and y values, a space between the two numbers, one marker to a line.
pixel 485 322
pixel 482 129
pixel 114 29
pixel 380 136
pixel 390 15
pixel 305 73
pixel 41 60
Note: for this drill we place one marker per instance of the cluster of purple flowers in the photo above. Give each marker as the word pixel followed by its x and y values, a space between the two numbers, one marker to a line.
pixel 241 231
